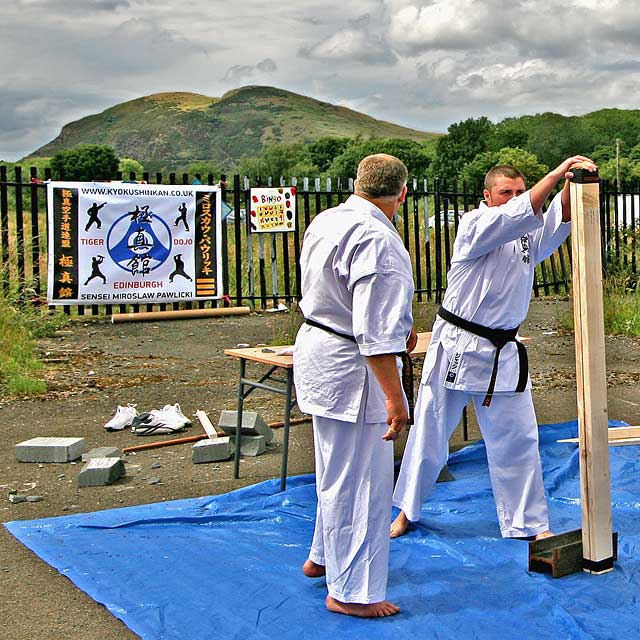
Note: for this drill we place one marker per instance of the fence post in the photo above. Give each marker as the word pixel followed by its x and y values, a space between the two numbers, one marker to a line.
pixel 438 238
pixel 4 230
pixel 247 226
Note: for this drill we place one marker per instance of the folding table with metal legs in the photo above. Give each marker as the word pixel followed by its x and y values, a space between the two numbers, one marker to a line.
pixel 267 382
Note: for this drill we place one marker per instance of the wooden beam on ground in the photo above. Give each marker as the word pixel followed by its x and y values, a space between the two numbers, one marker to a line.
pixel 180 314
pixel 595 484
pixel 164 443
pixel 618 436
pixel 210 430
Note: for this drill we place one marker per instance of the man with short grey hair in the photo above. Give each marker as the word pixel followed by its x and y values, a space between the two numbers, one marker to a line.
pixel 357 290
pixel 381 176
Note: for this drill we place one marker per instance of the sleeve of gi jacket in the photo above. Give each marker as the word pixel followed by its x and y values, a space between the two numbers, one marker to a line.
pixel 382 317
pixel 553 232
pixel 485 229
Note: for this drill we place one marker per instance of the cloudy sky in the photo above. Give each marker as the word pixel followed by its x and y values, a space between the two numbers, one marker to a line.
pixel 423 64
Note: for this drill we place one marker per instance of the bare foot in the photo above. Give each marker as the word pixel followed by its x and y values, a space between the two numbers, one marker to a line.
pixel 544 534
pixel 373 610
pixel 312 570
pixel 399 526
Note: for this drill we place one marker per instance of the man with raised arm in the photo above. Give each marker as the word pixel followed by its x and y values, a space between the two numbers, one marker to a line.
pixel 357 289
pixel 474 355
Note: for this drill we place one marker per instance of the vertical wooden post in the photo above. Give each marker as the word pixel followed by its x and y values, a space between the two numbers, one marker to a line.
pixel 595 486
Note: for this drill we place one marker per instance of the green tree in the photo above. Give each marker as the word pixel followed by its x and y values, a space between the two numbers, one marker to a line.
pixel 508 133
pixel 279 160
pixel 129 165
pixel 463 142
pixel 85 162
pixel 202 168
pixel 553 137
pixel 603 153
pixel 629 170
pixel 526 162
pixel 324 150
pixel 415 156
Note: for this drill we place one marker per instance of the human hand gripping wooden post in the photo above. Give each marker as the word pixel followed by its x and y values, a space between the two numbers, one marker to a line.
pixel 595 484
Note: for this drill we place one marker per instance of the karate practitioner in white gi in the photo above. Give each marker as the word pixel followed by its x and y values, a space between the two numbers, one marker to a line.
pixel 489 283
pixel 357 289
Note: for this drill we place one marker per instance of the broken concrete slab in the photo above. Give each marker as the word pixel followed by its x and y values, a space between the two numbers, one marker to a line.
pixel 99 472
pixel 250 445
pixel 252 424
pixel 102 452
pixel 50 449
pixel 16 498
pixel 211 450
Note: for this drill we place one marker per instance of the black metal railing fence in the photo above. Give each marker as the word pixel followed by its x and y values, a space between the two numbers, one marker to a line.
pixel 262 270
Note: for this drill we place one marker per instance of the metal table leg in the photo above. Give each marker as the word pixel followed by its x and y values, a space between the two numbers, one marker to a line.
pixel 236 459
pixel 287 417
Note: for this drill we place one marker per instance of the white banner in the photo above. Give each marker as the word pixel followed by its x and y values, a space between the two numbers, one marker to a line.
pixel 127 243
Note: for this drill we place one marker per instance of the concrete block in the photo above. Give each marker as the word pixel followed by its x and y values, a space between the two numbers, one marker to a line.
pixel 102 452
pixel 252 424
pixel 445 475
pixel 50 449
pixel 100 471
pixel 250 445
pixel 211 450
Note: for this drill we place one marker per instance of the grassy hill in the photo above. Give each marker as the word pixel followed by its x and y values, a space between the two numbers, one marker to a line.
pixel 171 129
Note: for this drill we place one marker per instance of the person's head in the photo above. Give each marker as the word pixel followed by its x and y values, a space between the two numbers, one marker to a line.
pixel 382 179
pixel 501 184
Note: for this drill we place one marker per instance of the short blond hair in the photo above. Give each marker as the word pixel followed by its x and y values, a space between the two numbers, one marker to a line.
pixel 381 176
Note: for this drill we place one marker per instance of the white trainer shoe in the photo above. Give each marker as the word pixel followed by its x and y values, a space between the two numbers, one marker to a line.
pixel 169 419
pixel 175 408
pixel 123 418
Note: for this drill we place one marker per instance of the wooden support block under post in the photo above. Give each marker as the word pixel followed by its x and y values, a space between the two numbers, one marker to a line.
pixel 562 555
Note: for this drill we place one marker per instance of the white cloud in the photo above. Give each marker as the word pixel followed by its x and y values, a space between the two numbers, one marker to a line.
pixel 446 24
pixel 351 45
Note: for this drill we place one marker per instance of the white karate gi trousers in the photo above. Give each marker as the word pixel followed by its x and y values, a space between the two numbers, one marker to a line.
pixel 510 431
pixel 354 483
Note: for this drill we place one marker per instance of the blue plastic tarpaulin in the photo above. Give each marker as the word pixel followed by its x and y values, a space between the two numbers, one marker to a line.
pixel 228 566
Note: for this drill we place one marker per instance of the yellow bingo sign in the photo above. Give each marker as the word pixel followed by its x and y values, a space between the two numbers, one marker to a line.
pixel 273 209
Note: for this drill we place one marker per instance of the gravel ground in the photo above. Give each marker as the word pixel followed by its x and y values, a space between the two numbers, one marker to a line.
pixel 92 366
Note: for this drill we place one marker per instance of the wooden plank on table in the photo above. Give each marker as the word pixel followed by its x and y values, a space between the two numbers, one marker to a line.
pixel 595 485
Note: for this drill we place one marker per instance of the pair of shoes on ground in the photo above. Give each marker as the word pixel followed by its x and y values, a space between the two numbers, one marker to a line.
pixel 169 419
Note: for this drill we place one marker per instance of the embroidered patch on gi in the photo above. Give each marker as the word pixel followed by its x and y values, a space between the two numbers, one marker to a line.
pixel 524 243
pixel 453 368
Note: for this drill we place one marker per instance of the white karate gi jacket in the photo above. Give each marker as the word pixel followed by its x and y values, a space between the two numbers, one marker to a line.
pixel 356 279
pixel 490 280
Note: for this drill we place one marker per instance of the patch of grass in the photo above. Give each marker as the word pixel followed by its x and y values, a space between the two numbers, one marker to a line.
pixel 285 331
pixel 621 304
pixel 20 385
pixel 20 326
pixel 622 313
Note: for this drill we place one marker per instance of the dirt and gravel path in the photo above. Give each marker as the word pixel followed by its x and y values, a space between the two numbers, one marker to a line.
pixel 93 366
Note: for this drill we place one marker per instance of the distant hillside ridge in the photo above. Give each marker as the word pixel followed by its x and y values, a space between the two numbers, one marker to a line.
pixel 172 129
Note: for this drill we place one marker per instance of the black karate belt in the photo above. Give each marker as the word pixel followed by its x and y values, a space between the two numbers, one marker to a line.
pixel 407 382
pixel 324 327
pixel 407 364
pixel 498 337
